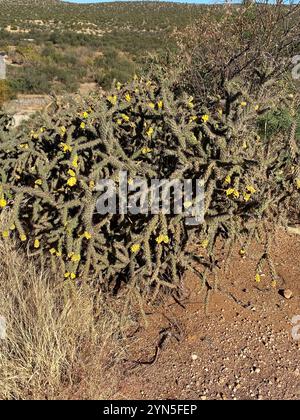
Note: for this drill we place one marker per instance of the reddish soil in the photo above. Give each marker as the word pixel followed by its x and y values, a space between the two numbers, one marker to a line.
pixel 242 348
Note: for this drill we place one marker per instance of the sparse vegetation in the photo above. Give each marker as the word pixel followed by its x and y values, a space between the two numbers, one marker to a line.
pixel 72 43
pixel 56 340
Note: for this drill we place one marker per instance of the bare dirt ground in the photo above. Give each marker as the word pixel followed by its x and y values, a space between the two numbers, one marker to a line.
pixel 25 106
pixel 242 348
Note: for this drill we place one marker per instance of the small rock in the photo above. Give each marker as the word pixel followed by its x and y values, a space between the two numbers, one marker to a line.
pixel 287 293
pixel 194 357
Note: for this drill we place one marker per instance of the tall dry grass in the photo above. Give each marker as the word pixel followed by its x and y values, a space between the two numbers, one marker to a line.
pixel 58 346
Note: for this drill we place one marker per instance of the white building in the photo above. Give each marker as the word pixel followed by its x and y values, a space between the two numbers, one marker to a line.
pixel 2 67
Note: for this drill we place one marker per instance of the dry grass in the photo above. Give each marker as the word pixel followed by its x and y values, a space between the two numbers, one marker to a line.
pixel 56 347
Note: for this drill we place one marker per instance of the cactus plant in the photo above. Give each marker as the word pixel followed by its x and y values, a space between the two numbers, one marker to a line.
pixel 145 127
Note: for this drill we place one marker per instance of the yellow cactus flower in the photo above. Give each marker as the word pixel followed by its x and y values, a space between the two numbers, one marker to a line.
pixel 72 181
pixel 127 97
pixel 71 172
pixel 36 244
pixel 243 103
pixel 23 237
pixel 250 189
pixel 163 239
pixel 125 117
pixel 205 118
pixel 150 131
pixel 204 243
pixel 112 99
pixel 66 147
pixel 3 203
pixel 298 183
pixel 193 118
pixel 70 275
pixel 82 125
pixel 229 191
pixel 242 252
pixel 52 251
pixel 85 115
pixel 135 248
pixel 34 135
pixel 38 182
pixel 146 150
pixel 5 234
pixel 12 227
pixel 190 102
pixel 227 180
pixel 151 105
pixel 92 185
pixel 118 85
pixel 160 104
pixel 63 130
pixel 256 107
pixel 232 191
pixel 75 258
pixel 236 194
pixel 246 196
pixel 24 146
pixel 257 278
pixel 87 235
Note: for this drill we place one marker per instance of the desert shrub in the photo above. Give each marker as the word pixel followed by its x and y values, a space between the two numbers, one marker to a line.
pixel 30 80
pixel 278 121
pixel 39 78
pixel 229 44
pixel 114 65
pixel 151 130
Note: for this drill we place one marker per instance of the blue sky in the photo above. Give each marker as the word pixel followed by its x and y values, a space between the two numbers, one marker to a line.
pixel 178 1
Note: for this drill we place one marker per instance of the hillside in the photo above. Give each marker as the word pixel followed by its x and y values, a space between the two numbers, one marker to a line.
pixel 54 45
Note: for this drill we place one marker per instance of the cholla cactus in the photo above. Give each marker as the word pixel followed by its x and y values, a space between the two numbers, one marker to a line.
pixel 48 178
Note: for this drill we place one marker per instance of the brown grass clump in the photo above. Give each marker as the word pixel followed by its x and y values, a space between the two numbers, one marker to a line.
pixel 58 346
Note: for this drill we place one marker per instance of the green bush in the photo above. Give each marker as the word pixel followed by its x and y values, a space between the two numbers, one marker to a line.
pixel 114 65
pixel 280 120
